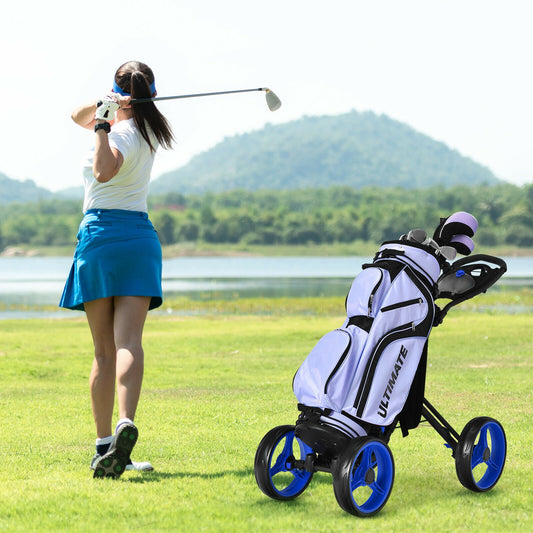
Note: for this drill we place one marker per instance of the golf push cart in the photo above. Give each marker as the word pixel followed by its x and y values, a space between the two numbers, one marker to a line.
pixel 365 379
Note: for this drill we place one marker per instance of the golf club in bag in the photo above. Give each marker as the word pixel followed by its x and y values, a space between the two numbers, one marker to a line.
pixel 273 102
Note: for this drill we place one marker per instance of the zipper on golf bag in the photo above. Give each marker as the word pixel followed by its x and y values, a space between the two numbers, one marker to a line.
pixel 373 292
pixel 399 305
pixel 370 284
pixel 324 366
pixel 340 361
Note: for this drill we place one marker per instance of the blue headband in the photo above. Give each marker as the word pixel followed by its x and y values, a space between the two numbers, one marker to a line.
pixel 117 89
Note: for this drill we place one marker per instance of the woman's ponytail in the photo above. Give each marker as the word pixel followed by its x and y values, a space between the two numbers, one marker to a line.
pixel 137 79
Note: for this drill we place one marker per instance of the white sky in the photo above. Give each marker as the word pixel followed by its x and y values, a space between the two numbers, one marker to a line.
pixel 457 70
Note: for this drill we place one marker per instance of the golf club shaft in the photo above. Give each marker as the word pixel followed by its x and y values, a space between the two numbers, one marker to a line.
pixel 159 98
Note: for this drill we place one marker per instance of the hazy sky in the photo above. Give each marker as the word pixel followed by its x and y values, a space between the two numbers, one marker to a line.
pixel 459 71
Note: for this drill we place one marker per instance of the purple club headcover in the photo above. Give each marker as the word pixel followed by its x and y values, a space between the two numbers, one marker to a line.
pixel 463 244
pixel 460 223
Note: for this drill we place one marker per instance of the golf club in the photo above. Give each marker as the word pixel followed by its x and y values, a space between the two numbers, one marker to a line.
pixel 273 102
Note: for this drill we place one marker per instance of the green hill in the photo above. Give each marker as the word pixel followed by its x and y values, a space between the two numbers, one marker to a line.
pixel 354 149
pixel 14 191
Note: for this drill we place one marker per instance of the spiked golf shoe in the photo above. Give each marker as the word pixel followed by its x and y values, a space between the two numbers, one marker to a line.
pixel 114 463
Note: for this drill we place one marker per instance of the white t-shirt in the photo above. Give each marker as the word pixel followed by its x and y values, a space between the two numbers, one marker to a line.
pixel 129 188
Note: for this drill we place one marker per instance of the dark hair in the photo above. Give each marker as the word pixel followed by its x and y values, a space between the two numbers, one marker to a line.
pixel 135 78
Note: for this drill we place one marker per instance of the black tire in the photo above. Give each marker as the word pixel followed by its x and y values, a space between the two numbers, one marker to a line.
pixel 274 467
pixel 480 454
pixel 363 476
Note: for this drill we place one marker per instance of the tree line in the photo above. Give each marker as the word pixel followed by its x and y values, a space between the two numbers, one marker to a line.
pixel 293 217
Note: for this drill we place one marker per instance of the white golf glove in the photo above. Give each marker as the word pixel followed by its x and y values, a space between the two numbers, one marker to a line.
pixel 106 107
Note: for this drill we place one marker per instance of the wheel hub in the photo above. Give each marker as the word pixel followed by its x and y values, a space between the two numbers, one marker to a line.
pixel 370 476
pixel 289 463
pixel 486 455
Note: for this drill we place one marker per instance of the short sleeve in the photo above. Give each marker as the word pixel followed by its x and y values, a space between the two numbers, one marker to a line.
pixel 124 140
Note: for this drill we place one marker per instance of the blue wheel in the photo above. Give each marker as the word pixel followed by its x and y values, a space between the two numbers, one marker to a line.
pixel 480 454
pixel 363 477
pixel 274 466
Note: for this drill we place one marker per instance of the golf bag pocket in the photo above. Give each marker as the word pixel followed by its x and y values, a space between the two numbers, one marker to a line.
pixel 327 372
pixel 367 291
pixel 387 379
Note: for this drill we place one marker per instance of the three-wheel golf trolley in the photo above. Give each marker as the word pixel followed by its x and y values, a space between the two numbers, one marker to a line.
pixel 346 439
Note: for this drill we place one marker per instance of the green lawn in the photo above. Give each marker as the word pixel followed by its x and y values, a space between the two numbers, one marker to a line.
pixel 214 385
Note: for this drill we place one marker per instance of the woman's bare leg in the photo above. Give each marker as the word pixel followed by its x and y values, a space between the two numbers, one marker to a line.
pixel 129 317
pixel 102 379
pixel 116 326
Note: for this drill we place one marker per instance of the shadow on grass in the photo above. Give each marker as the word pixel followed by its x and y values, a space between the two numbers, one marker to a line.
pixel 147 477
pixel 319 478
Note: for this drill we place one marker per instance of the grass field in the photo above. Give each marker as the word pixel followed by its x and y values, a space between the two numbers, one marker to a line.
pixel 214 385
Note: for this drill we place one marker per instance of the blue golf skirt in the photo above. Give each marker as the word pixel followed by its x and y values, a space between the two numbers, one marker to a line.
pixel 118 254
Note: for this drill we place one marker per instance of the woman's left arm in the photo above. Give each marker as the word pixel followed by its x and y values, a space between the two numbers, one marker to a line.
pixel 84 115
pixel 107 160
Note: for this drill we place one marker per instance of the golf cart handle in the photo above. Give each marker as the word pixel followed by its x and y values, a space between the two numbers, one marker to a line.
pixel 480 275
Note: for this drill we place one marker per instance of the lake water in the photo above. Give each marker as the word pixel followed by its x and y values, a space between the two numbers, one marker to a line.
pixel 38 281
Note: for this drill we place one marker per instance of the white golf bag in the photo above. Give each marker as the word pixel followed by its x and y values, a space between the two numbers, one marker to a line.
pixel 362 372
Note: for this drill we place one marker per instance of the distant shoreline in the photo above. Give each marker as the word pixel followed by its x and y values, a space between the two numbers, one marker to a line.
pixel 235 250
pixel 192 249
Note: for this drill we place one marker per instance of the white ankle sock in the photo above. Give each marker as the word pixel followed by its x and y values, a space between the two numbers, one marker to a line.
pixel 104 440
pixel 102 445
pixel 123 421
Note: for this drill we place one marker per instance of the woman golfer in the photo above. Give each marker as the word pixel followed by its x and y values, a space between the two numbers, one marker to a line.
pixel 116 272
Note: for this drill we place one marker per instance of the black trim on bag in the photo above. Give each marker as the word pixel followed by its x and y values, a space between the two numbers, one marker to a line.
pixel 392 267
pixel 425 278
pixel 413 244
pixel 400 255
pixel 361 321
pixel 338 424
pixel 398 305
pixel 401 332
pixel 340 361
pixel 373 292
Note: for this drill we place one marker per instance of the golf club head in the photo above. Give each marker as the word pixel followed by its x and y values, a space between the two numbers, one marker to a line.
pixel 448 252
pixel 417 235
pixel 431 243
pixel 273 102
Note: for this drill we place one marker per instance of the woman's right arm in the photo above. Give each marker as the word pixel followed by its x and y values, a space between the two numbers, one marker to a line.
pixel 84 115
